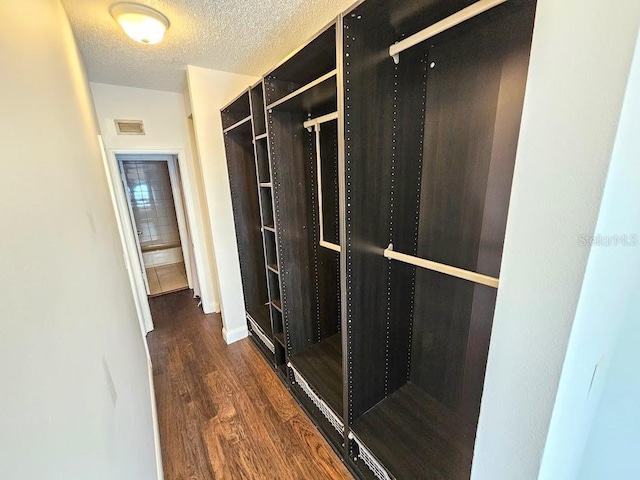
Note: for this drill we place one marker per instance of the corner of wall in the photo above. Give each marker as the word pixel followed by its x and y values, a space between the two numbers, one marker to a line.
pixel 235 335
pixel 209 91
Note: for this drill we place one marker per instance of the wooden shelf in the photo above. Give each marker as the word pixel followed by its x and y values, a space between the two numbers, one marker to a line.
pixel 238 124
pixel 277 304
pixel 427 439
pixel 320 92
pixel 321 366
pixel 310 61
pixel 266 185
pixel 263 318
pixel 270 228
pixel 237 111
pixel 261 137
pixel 274 268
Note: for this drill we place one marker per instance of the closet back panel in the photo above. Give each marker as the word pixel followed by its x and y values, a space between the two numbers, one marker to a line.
pixel 314 60
pixel 429 150
pixel 246 213
pixel 262 159
pixel 309 273
pixel 328 272
pixel 452 328
pixel 375 301
pixel 330 201
pixel 238 110
pixel 329 260
pixel 291 174
pixel 406 17
pixel 257 110
pixel 475 92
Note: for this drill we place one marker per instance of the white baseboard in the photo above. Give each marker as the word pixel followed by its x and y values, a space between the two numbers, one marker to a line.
pixel 154 415
pixel 235 334
pixel 209 307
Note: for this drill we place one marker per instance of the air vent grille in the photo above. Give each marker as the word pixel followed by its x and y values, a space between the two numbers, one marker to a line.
pixel 129 127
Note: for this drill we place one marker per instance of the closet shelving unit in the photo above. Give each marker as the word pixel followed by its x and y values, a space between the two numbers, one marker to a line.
pixel 242 121
pixel 384 154
pixel 434 102
pixel 301 101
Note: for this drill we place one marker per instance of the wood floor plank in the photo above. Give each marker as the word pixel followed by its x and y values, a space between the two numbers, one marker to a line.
pixel 223 413
pixel 325 461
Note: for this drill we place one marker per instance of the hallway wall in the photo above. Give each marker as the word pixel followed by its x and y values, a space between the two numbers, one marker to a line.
pixel 595 428
pixel 77 402
pixel 209 91
pixel 580 61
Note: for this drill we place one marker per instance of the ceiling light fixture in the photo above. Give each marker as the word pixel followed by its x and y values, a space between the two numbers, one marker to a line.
pixel 143 24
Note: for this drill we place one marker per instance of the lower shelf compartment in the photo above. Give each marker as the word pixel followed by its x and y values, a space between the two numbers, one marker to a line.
pixel 328 423
pixel 260 335
pixel 321 366
pixel 412 435
pixel 262 317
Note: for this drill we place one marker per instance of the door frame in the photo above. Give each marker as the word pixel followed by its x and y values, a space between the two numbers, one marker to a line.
pixel 134 225
pixel 129 242
pixel 175 180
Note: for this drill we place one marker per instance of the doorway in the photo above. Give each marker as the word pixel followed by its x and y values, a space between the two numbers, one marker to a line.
pixel 156 208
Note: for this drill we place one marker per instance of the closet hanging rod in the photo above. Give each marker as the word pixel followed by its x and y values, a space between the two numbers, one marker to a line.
pixel 439 27
pixel 330 246
pixel 442 268
pixel 314 122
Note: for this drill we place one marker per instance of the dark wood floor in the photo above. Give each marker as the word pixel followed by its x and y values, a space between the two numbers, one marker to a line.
pixel 223 413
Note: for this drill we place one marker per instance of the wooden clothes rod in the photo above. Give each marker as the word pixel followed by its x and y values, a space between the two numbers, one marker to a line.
pixel 330 246
pixel 314 122
pixel 442 268
pixel 439 27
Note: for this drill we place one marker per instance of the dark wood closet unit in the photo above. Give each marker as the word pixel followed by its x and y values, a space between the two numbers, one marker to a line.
pixel 430 153
pixel 375 179
pixel 300 93
pixel 251 210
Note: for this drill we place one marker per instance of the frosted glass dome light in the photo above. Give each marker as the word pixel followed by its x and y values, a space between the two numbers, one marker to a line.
pixel 141 23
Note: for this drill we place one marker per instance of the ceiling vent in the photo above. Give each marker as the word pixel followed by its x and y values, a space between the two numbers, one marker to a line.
pixel 129 127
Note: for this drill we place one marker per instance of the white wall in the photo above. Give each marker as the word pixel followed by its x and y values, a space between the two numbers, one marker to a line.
pixel 76 399
pixel 600 377
pixel 166 131
pixel 209 91
pixel 579 67
pixel 614 442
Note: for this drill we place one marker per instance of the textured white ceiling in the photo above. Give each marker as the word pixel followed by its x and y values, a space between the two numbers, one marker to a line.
pixel 242 36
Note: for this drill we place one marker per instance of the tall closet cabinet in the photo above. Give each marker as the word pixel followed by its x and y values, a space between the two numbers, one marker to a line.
pixel 371 173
